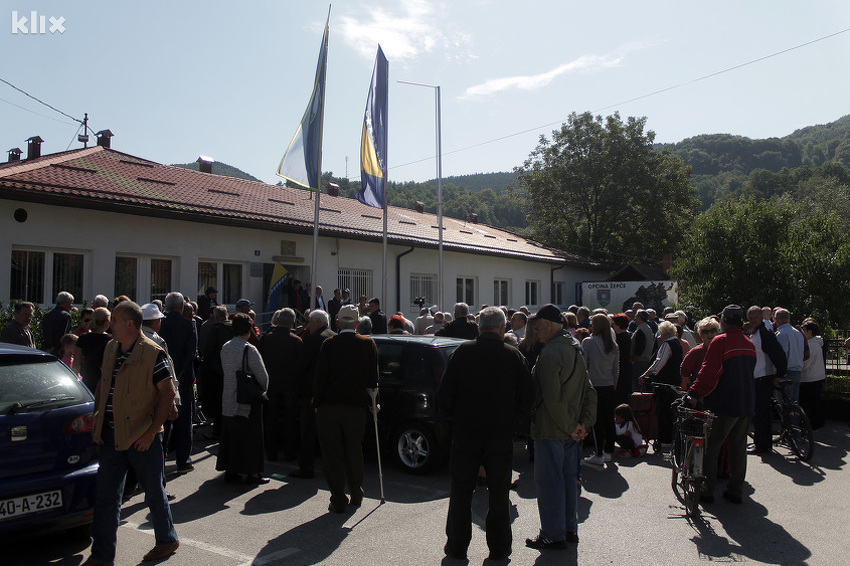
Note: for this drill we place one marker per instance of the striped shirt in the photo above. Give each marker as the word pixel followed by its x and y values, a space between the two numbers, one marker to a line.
pixel 160 372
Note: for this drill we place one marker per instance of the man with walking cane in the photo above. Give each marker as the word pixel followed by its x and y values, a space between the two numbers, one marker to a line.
pixel 487 390
pixel 347 369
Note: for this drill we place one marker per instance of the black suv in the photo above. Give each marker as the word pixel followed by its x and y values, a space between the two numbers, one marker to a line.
pixel 409 422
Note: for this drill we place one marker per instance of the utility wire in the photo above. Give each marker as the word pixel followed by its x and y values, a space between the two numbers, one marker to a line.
pixel 36 113
pixel 39 100
pixel 641 97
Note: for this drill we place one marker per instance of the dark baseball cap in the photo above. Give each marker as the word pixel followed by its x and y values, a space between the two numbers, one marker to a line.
pixel 548 312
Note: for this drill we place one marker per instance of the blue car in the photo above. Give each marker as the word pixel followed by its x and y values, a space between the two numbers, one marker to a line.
pixel 48 461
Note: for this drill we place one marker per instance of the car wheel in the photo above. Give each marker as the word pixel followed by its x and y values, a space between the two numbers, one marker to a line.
pixel 416 449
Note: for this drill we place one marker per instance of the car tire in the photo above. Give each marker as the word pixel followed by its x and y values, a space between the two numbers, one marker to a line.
pixel 416 448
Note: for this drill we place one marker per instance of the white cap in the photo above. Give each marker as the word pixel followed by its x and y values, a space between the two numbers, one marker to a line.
pixel 151 312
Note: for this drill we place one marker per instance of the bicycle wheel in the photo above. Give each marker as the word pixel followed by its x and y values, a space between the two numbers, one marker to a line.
pixel 692 488
pixel 676 459
pixel 801 438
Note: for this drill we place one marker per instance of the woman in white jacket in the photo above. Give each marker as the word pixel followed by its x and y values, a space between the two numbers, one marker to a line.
pixel 814 374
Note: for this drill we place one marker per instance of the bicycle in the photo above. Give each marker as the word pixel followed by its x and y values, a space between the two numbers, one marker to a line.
pixel 791 425
pixel 690 433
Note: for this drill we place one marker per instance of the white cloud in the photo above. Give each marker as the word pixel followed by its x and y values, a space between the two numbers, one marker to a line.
pixel 416 29
pixel 534 82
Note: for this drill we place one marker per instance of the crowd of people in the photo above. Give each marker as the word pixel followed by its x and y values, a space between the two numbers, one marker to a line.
pixel 560 376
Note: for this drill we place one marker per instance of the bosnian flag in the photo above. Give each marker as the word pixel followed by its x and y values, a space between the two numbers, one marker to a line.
pixel 373 141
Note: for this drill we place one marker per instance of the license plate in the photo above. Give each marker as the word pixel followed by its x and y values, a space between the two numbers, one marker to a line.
pixel 27 504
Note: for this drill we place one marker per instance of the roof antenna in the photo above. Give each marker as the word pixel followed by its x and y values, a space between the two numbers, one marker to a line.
pixel 84 137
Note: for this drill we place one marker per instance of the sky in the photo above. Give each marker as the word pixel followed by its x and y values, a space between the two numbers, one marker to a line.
pixel 175 80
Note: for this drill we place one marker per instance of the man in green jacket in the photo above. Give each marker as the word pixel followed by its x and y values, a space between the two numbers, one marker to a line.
pixel 564 408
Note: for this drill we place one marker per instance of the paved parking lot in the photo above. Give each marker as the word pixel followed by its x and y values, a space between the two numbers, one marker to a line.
pixel 794 513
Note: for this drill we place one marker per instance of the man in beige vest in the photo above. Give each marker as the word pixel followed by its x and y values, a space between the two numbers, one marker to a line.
pixel 134 397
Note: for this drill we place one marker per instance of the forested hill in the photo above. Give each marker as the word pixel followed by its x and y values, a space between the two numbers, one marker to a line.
pixel 222 169
pixel 723 163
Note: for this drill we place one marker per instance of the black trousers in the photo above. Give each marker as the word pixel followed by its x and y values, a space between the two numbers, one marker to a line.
pixel 307 450
pixel 665 397
pixel 341 431
pixel 810 401
pixel 468 452
pixel 762 435
pixel 603 431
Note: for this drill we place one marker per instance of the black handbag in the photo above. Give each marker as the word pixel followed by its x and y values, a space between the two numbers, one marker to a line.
pixel 248 389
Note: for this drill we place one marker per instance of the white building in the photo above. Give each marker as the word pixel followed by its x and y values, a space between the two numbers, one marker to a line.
pixel 98 221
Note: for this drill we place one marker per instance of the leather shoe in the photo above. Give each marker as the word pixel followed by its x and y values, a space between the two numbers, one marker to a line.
pixel 451 554
pixel 257 480
pixel 302 474
pixel 161 551
pixel 91 562
pixel 754 450
pixel 732 498
pixel 336 508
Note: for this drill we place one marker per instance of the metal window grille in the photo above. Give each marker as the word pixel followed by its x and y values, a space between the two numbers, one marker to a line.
pixel 160 278
pixel 501 292
pixel 531 292
pixel 358 281
pixel 423 285
pixel 68 274
pixel 466 290
pixel 27 278
pixel 126 276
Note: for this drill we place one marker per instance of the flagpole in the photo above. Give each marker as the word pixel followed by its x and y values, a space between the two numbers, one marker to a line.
pixel 439 192
pixel 315 262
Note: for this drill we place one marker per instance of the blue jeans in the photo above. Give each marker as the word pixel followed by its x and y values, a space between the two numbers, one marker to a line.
pixel 794 386
pixel 557 488
pixel 109 490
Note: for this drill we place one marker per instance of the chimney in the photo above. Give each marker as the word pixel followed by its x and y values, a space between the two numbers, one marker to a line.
pixel 14 154
pixel 34 147
pixel 333 189
pixel 473 218
pixel 205 164
pixel 104 138
pixel 420 206
pixel 666 262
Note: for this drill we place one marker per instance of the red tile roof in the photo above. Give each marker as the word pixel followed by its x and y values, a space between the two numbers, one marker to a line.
pixel 106 179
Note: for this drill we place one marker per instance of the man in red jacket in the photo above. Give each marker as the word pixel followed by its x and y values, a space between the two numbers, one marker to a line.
pixel 726 384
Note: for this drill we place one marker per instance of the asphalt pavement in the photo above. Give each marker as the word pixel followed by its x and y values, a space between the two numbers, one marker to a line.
pixel 793 513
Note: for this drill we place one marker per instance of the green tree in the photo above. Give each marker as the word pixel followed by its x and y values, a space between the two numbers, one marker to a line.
pixel 600 188
pixel 769 252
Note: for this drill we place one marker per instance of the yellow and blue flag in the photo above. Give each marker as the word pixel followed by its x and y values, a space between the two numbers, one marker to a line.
pixel 279 279
pixel 302 162
pixel 373 142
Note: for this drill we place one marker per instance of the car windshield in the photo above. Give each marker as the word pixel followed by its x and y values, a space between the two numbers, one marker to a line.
pixel 27 385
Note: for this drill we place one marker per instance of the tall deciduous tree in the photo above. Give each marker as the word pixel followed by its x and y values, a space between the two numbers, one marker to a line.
pixel 598 187
pixel 774 252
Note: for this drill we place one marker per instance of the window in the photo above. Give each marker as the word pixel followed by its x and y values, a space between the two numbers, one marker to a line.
pixel 531 293
pixel 422 285
pixel 358 281
pixel 230 274
pixel 27 281
pixel 126 276
pixel 38 276
pixel 501 292
pixel 558 293
pixel 160 278
pixel 466 290
pixel 232 282
pixel 68 274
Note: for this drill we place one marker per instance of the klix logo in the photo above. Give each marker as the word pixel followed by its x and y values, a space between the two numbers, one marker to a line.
pixel 35 24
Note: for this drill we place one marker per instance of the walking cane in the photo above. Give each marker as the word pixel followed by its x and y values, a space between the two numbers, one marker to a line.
pixel 373 393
